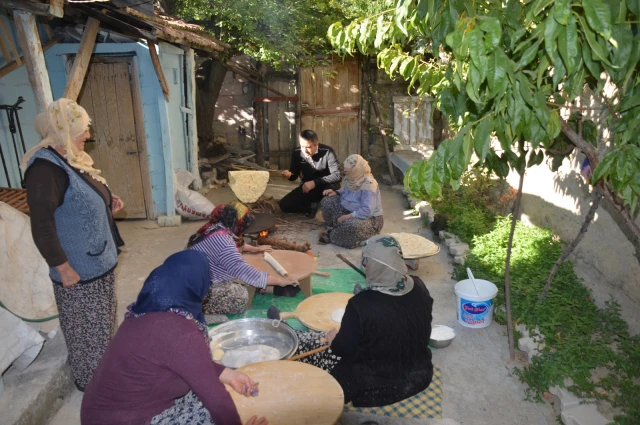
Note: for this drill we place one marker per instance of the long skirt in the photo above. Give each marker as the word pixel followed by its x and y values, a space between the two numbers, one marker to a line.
pixel 87 313
pixel 226 297
pixel 352 232
pixel 187 410
pixel 311 340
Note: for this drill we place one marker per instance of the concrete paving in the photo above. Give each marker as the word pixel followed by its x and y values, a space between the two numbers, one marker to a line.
pixel 478 386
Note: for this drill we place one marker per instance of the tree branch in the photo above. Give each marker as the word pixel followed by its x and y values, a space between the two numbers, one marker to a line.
pixel 507 280
pixel 569 248
pixel 632 229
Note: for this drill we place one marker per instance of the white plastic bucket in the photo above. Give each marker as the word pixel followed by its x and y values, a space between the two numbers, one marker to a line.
pixel 475 309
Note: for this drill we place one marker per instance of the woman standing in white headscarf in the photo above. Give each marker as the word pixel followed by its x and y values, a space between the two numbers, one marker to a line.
pixel 72 210
pixel 354 213
pixel 380 355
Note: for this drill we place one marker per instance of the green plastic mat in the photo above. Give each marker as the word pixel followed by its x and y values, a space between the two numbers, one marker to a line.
pixel 341 280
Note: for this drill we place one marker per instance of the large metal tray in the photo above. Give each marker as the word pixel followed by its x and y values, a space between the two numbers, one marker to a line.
pixel 250 331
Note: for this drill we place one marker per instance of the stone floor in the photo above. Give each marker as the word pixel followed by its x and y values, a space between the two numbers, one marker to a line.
pixel 478 385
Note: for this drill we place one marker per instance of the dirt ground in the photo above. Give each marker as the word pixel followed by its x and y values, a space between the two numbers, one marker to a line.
pixel 477 383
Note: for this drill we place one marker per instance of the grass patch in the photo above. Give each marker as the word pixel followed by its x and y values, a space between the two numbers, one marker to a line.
pixel 579 337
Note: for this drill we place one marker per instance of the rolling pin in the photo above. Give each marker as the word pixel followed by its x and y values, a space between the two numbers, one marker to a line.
pixel 308 353
pixel 323 274
pixel 272 261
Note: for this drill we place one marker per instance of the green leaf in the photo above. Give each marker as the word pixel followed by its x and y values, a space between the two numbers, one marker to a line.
pixel 593 67
pixel 406 68
pixel 423 8
pixel 568 44
pixel 624 37
pixel 472 92
pixel 598 17
pixel 516 36
pixel 551 31
pixel 529 54
pixel 603 167
pixel 539 6
pixel 621 168
pixel 600 53
pixel 430 183
pixel 476 50
pixel 382 28
pixel 497 69
pixel 439 165
pixel 474 77
pixel 525 92
pixel 562 11
pixel 394 64
pixel 542 69
pixel 481 137
pixel 630 102
pixel 493 32
pixel 554 127
pixel 402 11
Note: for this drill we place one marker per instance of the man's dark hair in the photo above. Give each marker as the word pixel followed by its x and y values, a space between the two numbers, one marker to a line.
pixel 310 136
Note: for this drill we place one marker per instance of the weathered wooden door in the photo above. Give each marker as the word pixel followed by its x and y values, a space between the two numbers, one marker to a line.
pixel 330 105
pixel 279 126
pixel 114 146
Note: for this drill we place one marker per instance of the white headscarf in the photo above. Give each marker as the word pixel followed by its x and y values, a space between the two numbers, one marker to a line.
pixel 358 174
pixel 62 122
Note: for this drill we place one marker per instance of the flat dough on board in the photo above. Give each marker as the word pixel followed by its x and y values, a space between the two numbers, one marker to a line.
pixel 249 354
pixel 337 314
pixel 415 246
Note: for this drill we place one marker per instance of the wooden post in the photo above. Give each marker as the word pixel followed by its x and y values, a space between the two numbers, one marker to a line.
pixel 190 59
pixel 34 59
pixel 158 67
pixel 7 36
pixel 81 62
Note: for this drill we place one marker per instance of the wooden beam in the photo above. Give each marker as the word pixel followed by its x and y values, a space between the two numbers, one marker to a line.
pixel 276 99
pixel 253 80
pixel 34 59
pixel 121 26
pixel 42 9
pixel 12 45
pixel 12 66
pixel 81 62
pixel 158 67
pixel 3 47
pixel 190 89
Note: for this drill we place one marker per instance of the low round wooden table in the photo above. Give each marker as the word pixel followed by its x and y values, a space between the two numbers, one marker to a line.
pixel 298 265
pixel 291 393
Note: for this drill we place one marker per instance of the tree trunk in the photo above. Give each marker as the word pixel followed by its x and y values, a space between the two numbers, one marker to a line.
pixel 507 281
pixel 569 249
pixel 631 229
pixel 209 78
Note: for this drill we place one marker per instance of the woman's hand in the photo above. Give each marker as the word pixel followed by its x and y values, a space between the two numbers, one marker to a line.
pixel 116 204
pixel 287 280
pixel 254 420
pixel 240 382
pixel 331 335
pixel 344 218
pixel 68 275
pixel 329 192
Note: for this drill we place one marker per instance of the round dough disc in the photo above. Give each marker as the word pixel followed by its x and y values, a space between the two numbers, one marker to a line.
pixel 249 354
pixel 337 314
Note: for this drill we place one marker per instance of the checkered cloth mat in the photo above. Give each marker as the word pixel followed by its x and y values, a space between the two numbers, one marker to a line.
pixel 424 405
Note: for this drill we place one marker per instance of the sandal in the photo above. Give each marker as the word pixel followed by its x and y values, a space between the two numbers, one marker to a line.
pixel 324 240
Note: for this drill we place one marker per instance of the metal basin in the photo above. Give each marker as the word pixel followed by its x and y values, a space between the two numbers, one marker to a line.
pixel 243 332
pixel 439 342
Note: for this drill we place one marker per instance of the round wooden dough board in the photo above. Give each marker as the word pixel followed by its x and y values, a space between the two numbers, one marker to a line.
pixel 297 264
pixel 291 393
pixel 315 312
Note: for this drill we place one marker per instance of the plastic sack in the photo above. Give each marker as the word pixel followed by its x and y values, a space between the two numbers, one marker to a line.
pixel 26 289
pixel 189 203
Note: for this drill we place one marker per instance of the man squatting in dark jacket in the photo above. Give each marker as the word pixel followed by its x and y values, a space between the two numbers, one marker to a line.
pixel 318 167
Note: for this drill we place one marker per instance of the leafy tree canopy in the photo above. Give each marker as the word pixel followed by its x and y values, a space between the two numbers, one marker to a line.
pixel 505 68
pixel 279 32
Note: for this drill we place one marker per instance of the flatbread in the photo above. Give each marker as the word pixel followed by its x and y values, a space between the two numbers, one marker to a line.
pixel 248 186
pixel 415 246
pixel 337 314
pixel 249 354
